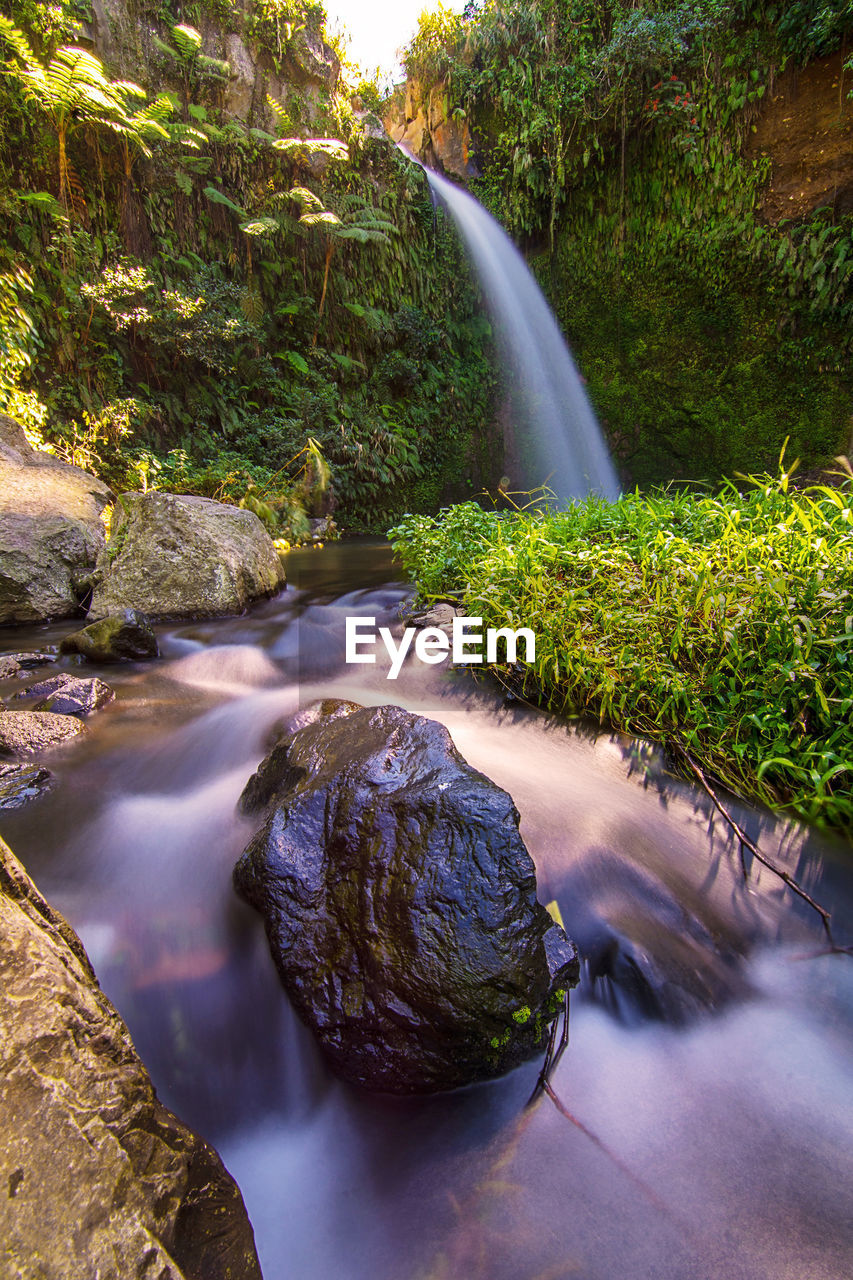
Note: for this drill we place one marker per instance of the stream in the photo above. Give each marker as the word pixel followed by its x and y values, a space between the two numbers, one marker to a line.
pixel 710 1057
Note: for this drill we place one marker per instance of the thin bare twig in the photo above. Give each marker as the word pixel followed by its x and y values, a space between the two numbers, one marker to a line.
pixel 746 843
pixel 553 1053
pixel 638 1182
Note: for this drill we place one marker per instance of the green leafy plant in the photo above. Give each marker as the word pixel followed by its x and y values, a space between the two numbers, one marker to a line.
pixel 720 624
pixel 73 89
pixel 192 66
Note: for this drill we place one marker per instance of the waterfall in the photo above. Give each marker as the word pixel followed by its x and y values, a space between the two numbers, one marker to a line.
pixel 552 419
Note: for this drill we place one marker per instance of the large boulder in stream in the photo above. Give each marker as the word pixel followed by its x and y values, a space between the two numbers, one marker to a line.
pixel 400 902
pixel 98 1178
pixel 50 530
pixel 177 556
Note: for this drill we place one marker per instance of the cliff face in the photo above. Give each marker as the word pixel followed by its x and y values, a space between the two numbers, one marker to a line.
pixel 302 67
pixel 806 128
pixel 420 120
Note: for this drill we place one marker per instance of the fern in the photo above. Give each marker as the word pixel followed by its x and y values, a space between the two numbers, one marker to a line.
pixel 218 197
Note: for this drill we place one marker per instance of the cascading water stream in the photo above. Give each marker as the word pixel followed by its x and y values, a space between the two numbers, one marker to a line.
pixel 555 429
pixel 710 1038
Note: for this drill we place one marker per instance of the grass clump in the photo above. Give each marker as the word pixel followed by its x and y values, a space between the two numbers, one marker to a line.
pixel 721 624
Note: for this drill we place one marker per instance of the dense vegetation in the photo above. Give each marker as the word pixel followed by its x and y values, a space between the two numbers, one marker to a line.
pixel 721 625
pixel 613 140
pixel 227 302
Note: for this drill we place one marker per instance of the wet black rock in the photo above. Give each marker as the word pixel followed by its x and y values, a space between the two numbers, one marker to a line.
pixel 68 695
pixel 400 903
pixel 275 772
pixel 122 637
pixel 21 783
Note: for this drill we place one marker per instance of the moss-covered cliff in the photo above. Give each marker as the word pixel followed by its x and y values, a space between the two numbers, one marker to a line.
pixel 682 179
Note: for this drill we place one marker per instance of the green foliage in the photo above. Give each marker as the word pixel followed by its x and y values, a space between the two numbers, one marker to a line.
pixel 16 340
pixel 813 28
pixel 432 55
pixel 439 551
pixel 16 330
pixel 721 623
pixel 612 141
pixel 206 298
pixel 275 24
pixel 72 89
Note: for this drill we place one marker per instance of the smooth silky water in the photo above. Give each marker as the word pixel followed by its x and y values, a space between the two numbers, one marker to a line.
pixel 710 1042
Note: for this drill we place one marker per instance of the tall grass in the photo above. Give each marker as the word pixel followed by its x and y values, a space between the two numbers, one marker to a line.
pixel 721 624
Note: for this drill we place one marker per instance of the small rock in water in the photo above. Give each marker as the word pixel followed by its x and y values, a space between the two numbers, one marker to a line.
pixel 122 637
pixel 68 695
pixel 400 903
pixel 14 664
pixel 20 783
pixel 440 615
pixel 650 949
pixel 26 733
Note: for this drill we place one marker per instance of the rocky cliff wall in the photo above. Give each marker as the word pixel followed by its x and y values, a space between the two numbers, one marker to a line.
pixel 300 71
pixel 806 129
pixel 422 122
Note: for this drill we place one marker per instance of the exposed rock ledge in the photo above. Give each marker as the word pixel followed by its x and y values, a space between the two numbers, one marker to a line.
pixel 420 122
pixel 98 1178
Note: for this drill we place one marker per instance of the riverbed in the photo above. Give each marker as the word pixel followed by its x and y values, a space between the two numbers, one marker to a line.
pixel 710 1065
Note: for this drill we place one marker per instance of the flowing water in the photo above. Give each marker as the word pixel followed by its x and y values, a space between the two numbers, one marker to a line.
pixel 553 423
pixel 711 1052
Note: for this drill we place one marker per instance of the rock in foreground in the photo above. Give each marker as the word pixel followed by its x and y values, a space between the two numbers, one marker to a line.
pixel 178 557
pixel 99 1179
pixel 68 695
pixel 400 904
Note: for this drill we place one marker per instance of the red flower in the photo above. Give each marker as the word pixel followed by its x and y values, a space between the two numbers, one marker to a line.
pixel 693 121
pixel 677 98
pixel 673 77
